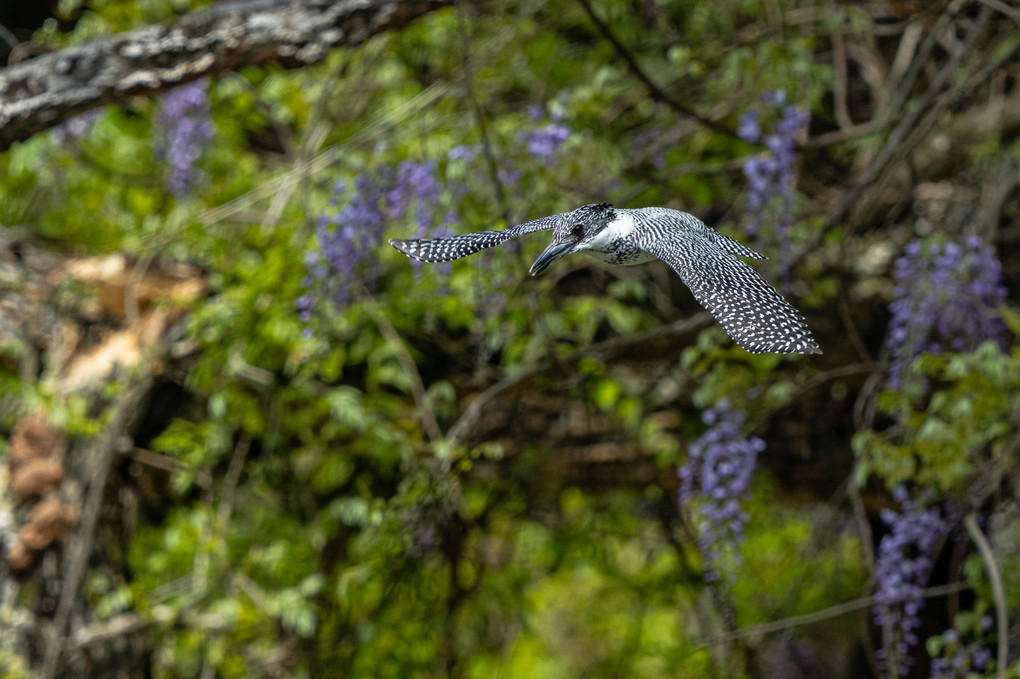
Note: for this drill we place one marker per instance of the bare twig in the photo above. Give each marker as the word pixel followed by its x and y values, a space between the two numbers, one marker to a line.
pixel 894 108
pixel 159 461
pixel 76 557
pixel 916 125
pixel 656 92
pixel 1005 9
pixel 132 311
pixel 418 392
pixel 602 350
pixel 8 37
pixel 812 382
pixel 329 156
pixel 230 480
pixel 861 519
pixel 840 136
pixel 469 417
pixel 107 630
pixel 819 616
pixel 839 84
pixel 490 158
pixel 847 319
pixel 998 592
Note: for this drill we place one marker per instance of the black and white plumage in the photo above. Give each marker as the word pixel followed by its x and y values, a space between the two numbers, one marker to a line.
pixel 751 311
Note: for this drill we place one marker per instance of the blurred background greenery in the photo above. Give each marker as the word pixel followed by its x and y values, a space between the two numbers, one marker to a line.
pixel 327 460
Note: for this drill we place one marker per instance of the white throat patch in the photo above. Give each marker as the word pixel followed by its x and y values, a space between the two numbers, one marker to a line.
pixel 621 227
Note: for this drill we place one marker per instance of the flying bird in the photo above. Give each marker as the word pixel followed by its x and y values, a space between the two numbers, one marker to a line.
pixel 750 310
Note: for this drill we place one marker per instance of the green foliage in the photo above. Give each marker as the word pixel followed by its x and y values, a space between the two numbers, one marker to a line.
pixel 13 666
pixel 955 433
pixel 314 523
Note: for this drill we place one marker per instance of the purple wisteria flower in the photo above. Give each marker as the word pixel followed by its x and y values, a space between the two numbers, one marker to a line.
pixel 344 241
pixel 344 254
pixel 465 152
pixel 544 142
pixel 902 566
pixel 770 175
pixel 186 123
pixel 509 177
pixel 415 182
pixel 716 479
pixel 749 130
pixel 946 298
pixel 956 660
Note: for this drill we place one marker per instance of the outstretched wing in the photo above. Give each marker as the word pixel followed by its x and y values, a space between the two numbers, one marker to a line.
pixel 734 247
pixel 750 310
pixel 455 247
pixel 668 218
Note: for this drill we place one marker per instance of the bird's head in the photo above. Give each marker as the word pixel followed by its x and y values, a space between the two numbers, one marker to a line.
pixel 574 229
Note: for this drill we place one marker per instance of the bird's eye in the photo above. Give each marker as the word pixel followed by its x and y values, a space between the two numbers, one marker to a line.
pixel 577 230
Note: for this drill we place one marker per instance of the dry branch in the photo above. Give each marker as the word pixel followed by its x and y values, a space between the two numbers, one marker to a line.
pixel 43 92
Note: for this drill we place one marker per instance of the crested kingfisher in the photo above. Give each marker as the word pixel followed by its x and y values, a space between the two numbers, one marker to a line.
pixel 750 310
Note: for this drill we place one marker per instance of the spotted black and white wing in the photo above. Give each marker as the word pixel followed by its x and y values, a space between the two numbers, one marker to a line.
pixel 455 247
pixel 750 310
pixel 665 217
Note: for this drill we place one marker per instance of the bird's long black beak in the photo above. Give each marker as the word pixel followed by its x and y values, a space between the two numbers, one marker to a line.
pixel 550 255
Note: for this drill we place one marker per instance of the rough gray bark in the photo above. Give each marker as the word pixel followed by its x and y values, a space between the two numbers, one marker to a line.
pixel 45 91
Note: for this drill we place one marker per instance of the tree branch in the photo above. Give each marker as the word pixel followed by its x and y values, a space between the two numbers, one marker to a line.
pixel 76 556
pixel 998 593
pixel 490 158
pixel 418 391
pixel 819 616
pixel 600 351
pixel 45 91
pixel 656 92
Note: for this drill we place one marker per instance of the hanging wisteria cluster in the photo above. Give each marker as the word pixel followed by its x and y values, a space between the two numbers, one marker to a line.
pixel 770 174
pixel 715 482
pixel 347 240
pixel 956 659
pixel 902 566
pixel 544 143
pixel 418 183
pixel 186 124
pixel 946 298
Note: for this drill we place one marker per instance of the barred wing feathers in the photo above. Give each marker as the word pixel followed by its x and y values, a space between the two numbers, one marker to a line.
pixel 455 247
pixel 750 310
